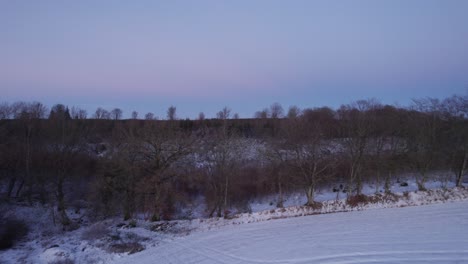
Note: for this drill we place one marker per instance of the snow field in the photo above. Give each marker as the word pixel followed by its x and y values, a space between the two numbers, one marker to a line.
pixel 424 234
pixel 94 243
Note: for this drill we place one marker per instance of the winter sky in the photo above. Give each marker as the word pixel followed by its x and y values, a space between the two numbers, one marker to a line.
pixel 246 54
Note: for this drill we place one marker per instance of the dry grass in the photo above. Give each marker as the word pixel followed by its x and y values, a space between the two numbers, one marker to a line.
pixel 96 231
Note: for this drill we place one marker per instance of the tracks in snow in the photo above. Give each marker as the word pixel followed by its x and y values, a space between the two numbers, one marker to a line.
pixel 424 234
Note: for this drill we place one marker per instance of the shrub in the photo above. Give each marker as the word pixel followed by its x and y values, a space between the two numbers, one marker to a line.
pixel 356 200
pixel 130 247
pixel 316 205
pixel 96 231
pixel 132 223
pixel 406 195
pixel 11 231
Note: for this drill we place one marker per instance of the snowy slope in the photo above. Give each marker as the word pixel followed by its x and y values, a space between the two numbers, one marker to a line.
pixel 102 242
pixel 426 234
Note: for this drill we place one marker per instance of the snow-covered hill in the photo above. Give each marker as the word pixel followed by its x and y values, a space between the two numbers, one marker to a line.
pixel 269 236
pixel 425 234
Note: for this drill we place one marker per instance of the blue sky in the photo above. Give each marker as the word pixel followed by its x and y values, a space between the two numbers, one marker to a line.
pixel 204 55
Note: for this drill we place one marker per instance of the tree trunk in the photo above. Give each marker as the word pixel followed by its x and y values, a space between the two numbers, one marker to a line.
pixel 310 195
pixel 127 206
pixel 213 210
pixel 29 182
pixel 377 183
pixel 219 205
pixel 421 183
pixel 11 186
pixel 387 183
pixel 461 171
pixel 156 215
pixel 61 203
pixel 358 181
pixel 20 188
pixel 349 188
pixel 280 195
pixel 226 193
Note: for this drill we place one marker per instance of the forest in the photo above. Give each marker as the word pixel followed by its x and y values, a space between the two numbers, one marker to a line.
pixel 110 166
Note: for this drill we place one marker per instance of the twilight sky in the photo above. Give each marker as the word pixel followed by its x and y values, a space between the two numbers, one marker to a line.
pixel 246 54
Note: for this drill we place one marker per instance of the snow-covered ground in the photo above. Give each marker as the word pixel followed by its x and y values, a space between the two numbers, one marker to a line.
pixel 440 180
pixel 255 238
pixel 425 234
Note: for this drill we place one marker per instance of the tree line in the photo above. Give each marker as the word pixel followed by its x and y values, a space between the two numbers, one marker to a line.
pixel 162 168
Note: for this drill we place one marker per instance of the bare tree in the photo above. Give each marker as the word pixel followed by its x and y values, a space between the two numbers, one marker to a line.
pixel 310 155
pixel 149 116
pixel 101 114
pixel 37 110
pixel 78 113
pixel 201 116
pixel 171 113
pixel 293 112
pixel 28 115
pixel 161 148
pixel 134 115
pixel 386 146
pixel 224 113
pixel 357 120
pixel 276 110
pixel 5 111
pixel 34 110
pixel 276 153
pixel 423 137
pixel 59 111
pixel 66 141
pixel 116 113
pixel 236 116
pixel 221 160
pixel 265 113
pixel 125 166
pixel 456 143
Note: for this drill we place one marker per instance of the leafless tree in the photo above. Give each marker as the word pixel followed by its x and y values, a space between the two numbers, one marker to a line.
pixel 265 113
pixel 33 110
pixel 134 115
pixel 277 153
pixel 116 113
pixel 149 116
pixel 276 110
pixel 224 113
pixel 5 111
pixel 78 113
pixel 23 110
pixel 221 160
pixel 293 112
pixel 423 143
pixel 161 148
pixel 310 155
pixel 101 114
pixel 59 111
pixel 28 115
pixel 124 165
pixel 386 146
pixel 66 142
pixel 201 116
pixel 456 110
pixel 358 120
pixel 171 113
